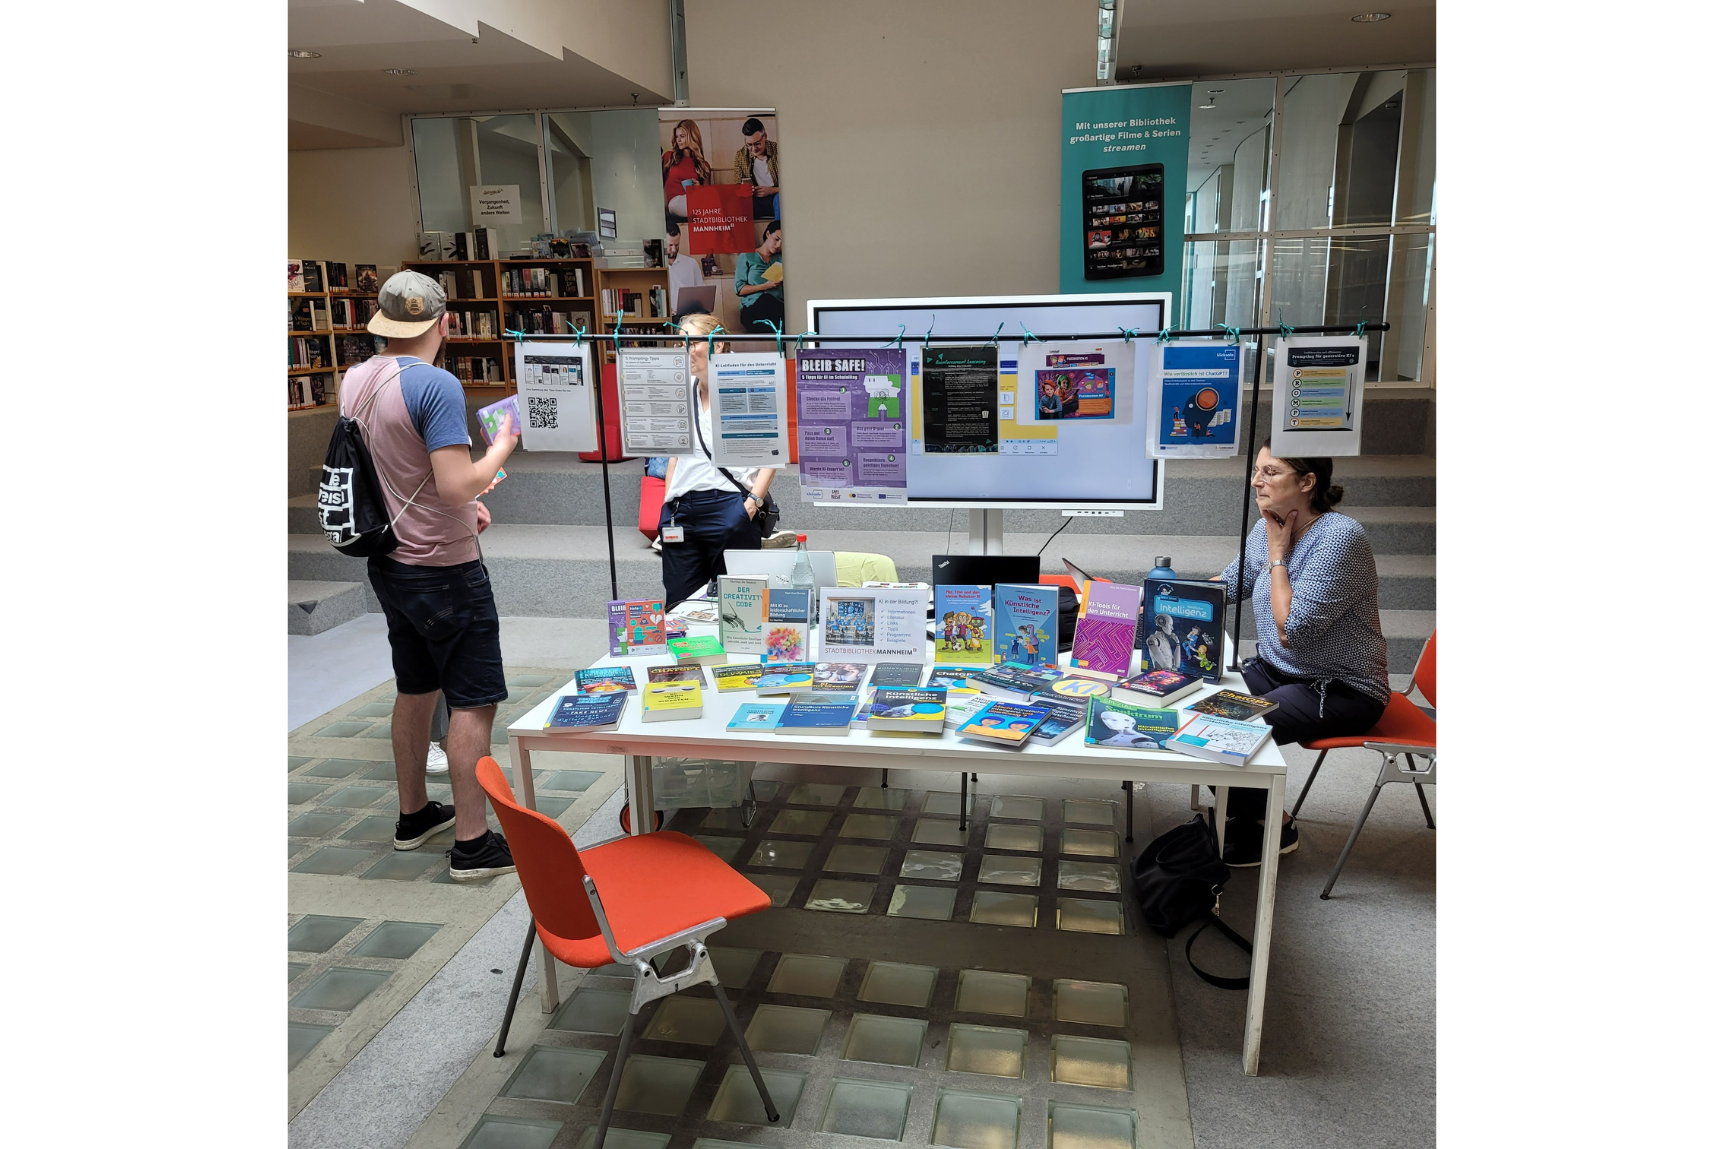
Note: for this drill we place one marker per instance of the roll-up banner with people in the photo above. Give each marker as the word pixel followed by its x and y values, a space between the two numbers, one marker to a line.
pixel 1123 157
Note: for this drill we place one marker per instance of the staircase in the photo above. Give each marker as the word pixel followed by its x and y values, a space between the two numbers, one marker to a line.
pixel 546 548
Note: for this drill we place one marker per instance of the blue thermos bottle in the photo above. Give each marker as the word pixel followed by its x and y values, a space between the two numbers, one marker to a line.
pixel 1163 568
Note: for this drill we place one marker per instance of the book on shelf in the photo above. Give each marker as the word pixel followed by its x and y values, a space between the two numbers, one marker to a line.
pixel 446 280
pixel 896 675
pixel 1234 704
pixel 352 350
pixel 463 245
pixel 365 277
pixel 963 623
pixel 574 283
pixel 306 351
pixel 1064 718
pixel 756 717
pixel 476 281
pixel 312 271
pixel 295 275
pixel 1106 624
pixel 1015 682
pixel 737 676
pixel 1162 685
pixel 697 650
pixel 1005 723
pixel 1026 623
pixel 1182 625
pixel 1117 724
pixel 644 621
pixel 587 711
pixel 789 615
pixel 785 678
pixel 742 613
pixel 605 679
pixel 299 315
pixel 675 672
pixel 486 243
pixel 817 714
pixel 436 246
pixel 319 315
pixel 907 708
pixel 670 701
pixel 843 677
pixel 1220 739
pixel 305 391
pixel 334 276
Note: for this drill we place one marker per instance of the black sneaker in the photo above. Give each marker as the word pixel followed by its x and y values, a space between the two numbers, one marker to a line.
pixel 1245 847
pixel 411 830
pixel 483 857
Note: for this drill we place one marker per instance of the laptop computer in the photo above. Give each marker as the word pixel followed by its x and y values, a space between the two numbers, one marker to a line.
pixel 692 299
pixel 990 569
pixel 777 564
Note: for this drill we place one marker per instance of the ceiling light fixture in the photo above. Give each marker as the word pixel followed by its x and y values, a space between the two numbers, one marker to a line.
pixel 1216 91
pixel 400 71
pixel 1371 17
pixel 304 54
pixel 1210 106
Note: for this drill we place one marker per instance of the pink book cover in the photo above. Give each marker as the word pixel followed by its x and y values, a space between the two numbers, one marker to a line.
pixel 1102 645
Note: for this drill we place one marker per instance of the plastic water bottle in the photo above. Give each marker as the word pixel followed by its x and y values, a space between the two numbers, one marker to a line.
pixel 802 574
pixel 1163 568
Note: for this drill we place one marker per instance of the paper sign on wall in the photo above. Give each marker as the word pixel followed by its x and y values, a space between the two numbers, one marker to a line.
pixel 1194 397
pixel 554 384
pixel 1319 392
pixel 495 204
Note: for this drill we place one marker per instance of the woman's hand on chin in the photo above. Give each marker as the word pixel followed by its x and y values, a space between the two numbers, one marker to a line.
pixel 1278 533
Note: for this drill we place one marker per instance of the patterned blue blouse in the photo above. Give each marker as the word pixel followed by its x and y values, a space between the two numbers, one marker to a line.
pixel 1333 632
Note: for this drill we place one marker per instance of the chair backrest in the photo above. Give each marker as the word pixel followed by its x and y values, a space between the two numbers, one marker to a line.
pixel 858 567
pixel 545 858
pixel 1425 673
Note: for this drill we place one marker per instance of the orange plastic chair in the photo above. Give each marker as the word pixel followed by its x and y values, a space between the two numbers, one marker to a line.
pixel 1403 730
pixel 643 896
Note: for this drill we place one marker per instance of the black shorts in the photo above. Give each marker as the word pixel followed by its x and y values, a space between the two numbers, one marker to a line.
pixel 442 631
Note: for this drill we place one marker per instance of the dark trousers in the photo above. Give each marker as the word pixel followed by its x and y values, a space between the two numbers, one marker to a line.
pixel 1344 711
pixel 765 306
pixel 712 523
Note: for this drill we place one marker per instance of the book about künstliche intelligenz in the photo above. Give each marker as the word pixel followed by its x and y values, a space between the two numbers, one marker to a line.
pixel 789 618
pixel 964 623
pixel 1102 645
pixel 1182 627
pixel 1026 624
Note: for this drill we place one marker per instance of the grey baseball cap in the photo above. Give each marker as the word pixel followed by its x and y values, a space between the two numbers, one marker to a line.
pixel 407 306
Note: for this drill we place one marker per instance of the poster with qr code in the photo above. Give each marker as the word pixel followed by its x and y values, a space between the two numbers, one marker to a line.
pixel 554 382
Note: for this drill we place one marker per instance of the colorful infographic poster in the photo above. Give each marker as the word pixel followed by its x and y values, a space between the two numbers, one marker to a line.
pixel 1067 382
pixel 1194 387
pixel 851 422
pixel 749 426
pixel 1319 392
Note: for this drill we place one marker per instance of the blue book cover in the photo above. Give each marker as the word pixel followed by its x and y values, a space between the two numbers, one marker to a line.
pixel 817 714
pixel 1114 723
pixel 964 623
pixel 1182 627
pixel 1005 722
pixel 587 711
pixel 949 677
pixel 756 717
pixel 1026 624
pixel 604 679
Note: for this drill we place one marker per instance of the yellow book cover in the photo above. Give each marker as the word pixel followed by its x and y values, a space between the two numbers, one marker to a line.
pixel 662 701
pixel 773 273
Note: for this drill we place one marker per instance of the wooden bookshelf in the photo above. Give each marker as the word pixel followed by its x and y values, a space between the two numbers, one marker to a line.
pixel 327 337
pixel 505 310
pixel 642 280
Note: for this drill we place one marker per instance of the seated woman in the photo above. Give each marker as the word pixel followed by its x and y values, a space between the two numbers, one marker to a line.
pixel 1310 571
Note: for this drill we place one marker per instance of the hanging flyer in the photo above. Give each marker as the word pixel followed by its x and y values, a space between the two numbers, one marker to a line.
pixel 1069 382
pixel 1319 393
pixel 851 421
pixel 653 387
pixel 750 427
pixel 554 390
pixel 960 400
pixel 1194 389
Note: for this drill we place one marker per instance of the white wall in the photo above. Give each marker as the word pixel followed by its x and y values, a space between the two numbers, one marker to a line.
pixel 354 205
pixel 626 171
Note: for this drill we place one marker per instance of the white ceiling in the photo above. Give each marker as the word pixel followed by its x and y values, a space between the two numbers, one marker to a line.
pixel 1170 39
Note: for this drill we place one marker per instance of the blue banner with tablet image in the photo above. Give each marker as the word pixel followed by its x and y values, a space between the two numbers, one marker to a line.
pixel 1194 395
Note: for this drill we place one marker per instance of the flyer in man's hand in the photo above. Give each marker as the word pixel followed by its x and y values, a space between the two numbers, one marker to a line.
pixel 491 418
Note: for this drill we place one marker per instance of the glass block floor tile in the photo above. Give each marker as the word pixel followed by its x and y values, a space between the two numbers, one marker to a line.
pixel 1090 1127
pixel 996 909
pixel 343 729
pixel 401 866
pixel 847 859
pixel 880 827
pixel 295 968
pixel 1012 806
pixel 807 975
pixel 355 797
pixel 528 680
pixel 986 1049
pixel 715 1143
pixel 733 965
pixel 295 763
pixel 302 1038
pixel 838 897
pixel 623 1138
pixel 814 794
pixel 657 1084
pixel 811 823
pixel 552 808
pixel 500 734
pixel 314 933
pixel 1090 843
pixel 339 988
pixel 1089 1002
pixel 739 1101
pixel 786 1029
pixel 381 772
pixel 495 1132
pixel 336 768
pixel 298 792
pixel 726 848
pixel 932 903
pixel 314 825
pixel 730 819
pixel 1005 870
pixel 1089 916
pixel 937 832
pixel 593 1010
pixel 946 802
pixel 374 710
pixel 1096 1061
pixel 572 781
pixel 1089 811
pixel 778 887
pixel 893 983
pixel 763 790
pixel 381 730
pixel 976 1120
pixel 787 855
pixel 885 1040
pixel 1006 837
pixel 882 798
pixel 554 1073
pixel 332 860
pixel 374 829
pixel 984 991
pixel 691 1020
pixel 1090 877
pixel 396 939
pixel 293 849
pixel 867 1109
pixel 931 865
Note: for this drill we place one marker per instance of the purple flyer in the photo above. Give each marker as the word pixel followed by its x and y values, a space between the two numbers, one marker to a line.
pixel 852 416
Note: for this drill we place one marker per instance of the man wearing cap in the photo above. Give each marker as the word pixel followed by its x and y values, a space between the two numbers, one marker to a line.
pixel 435 592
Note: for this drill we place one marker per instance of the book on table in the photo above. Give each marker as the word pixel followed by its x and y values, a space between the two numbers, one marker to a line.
pixel 1162 685
pixel 789 616
pixel 1005 723
pixel 1064 718
pixel 839 677
pixel 896 675
pixel 1233 704
pixel 817 714
pixel 1102 644
pixel 670 701
pixel 674 672
pixel 908 708
pixel 1026 623
pixel 587 711
pixel 964 623
pixel 963 705
pixel 1075 688
pixel 1112 723
pixel 1015 682
pixel 1181 626
pixel 603 679
pixel 643 624
pixel 616 625
pixel 785 678
pixel 950 677
pixel 1220 739
pixel 742 623
pixel 756 717
pixel 697 650
pixel 737 676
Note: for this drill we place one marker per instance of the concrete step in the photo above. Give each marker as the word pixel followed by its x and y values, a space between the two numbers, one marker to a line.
pixel 313 606
pixel 1393 495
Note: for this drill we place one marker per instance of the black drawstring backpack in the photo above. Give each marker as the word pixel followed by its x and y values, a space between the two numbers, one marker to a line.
pixel 1178 879
pixel 350 503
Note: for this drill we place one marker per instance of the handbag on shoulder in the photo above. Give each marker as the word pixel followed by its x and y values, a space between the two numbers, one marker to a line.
pixel 1178 879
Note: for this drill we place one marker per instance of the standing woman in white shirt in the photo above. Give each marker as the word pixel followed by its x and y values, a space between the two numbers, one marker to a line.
pixel 704 512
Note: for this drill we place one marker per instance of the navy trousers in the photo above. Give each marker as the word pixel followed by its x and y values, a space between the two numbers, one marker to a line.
pixel 712 523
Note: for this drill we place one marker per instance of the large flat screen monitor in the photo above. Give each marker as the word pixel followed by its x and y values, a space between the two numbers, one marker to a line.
pixel 1077 462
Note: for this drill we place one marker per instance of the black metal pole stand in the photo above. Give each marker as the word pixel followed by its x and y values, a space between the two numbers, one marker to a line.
pixel 605 468
pixel 1250 454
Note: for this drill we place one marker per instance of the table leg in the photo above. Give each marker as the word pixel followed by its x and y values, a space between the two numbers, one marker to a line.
pixel 1126 786
pixel 1196 797
pixel 1268 871
pixel 1221 820
pixel 640 793
pixel 963 799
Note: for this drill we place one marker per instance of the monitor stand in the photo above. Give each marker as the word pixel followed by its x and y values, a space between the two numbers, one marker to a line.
pixel 988 532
